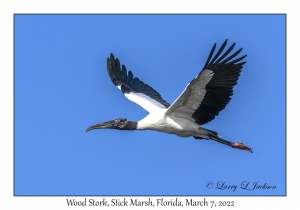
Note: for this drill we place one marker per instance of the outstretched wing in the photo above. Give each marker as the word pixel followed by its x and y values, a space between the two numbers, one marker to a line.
pixel 133 88
pixel 211 90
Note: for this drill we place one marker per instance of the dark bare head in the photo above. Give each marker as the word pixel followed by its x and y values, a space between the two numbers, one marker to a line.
pixel 119 123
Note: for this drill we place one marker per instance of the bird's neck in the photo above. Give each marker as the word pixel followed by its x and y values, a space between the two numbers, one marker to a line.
pixel 130 126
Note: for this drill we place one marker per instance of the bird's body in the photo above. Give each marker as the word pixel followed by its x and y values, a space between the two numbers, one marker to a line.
pixel 159 121
pixel 203 98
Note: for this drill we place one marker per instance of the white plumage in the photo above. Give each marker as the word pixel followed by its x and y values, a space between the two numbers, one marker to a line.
pixel 145 101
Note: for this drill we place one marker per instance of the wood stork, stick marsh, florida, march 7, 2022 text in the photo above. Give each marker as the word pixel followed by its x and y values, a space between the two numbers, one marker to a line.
pixel 202 99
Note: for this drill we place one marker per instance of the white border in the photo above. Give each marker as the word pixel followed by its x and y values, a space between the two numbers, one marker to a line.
pixel 9 8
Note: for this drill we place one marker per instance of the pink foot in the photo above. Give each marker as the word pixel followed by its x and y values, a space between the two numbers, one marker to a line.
pixel 240 145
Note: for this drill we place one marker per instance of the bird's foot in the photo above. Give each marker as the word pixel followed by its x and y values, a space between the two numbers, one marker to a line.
pixel 240 145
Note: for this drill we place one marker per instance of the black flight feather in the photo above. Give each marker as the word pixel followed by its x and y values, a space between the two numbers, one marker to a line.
pixel 129 83
pixel 220 88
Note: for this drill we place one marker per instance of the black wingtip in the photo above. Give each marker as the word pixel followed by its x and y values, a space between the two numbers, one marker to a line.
pixel 210 55
pixel 225 42
pixel 111 69
pixel 111 57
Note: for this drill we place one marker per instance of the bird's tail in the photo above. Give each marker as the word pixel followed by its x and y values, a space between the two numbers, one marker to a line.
pixel 213 135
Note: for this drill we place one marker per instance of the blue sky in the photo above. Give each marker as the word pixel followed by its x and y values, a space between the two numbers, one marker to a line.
pixel 61 87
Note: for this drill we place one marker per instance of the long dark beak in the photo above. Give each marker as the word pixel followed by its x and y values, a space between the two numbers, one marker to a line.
pixel 108 124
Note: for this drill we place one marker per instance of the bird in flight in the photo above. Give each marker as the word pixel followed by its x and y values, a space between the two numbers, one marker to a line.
pixel 199 103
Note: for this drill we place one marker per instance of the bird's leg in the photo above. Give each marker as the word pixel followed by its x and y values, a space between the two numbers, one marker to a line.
pixel 240 145
pixel 236 145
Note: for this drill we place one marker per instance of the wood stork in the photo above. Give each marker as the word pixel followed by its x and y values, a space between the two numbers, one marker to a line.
pixel 202 99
